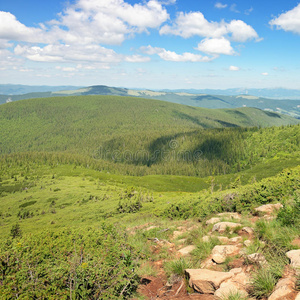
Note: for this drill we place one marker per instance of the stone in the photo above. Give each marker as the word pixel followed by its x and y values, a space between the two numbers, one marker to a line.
pixel 206 281
pixel 237 284
pixel 257 258
pixel 246 231
pixel 294 256
pixel 268 208
pixel 206 238
pixel 247 243
pixel 223 239
pixel 176 234
pixel 283 289
pixel 221 226
pixel 212 221
pixel 187 250
pixel 228 215
pixel 219 253
pixel 236 239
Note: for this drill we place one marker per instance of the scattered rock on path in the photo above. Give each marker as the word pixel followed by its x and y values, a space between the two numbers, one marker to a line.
pixel 206 281
pixel 268 208
pixel 221 226
pixel 257 258
pixel 219 253
pixel 212 221
pixel 228 215
pixel 187 250
pixel 283 289
pixel 294 256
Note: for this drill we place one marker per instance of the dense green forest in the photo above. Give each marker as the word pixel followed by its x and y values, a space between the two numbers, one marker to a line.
pixel 77 172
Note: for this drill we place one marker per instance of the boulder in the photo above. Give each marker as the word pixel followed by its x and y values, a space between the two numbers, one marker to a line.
pixel 228 215
pixel 176 234
pixel 212 221
pixel 238 284
pixel 268 208
pixel 206 281
pixel 283 289
pixel 236 239
pixel 219 253
pixel 246 231
pixel 247 243
pixel 294 256
pixel 257 258
pixel 223 239
pixel 187 250
pixel 221 226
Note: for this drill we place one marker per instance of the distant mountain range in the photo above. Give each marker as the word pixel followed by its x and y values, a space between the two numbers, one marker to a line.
pixel 230 98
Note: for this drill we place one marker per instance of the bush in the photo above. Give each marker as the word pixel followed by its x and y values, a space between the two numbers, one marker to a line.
pixel 85 264
pixel 16 231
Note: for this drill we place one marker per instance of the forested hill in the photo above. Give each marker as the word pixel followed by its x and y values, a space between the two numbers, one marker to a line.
pixel 82 122
pixel 141 136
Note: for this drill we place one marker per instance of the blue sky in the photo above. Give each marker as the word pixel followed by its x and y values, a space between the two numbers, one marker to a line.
pixel 152 44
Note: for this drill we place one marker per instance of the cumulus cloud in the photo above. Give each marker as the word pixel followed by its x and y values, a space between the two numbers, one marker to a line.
pixel 191 24
pixel 234 68
pixel 219 5
pixel 12 29
pixel 71 53
pixel 108 21
pixel 288 21
pixel 173 56
pixel 216 46
pixel 265 73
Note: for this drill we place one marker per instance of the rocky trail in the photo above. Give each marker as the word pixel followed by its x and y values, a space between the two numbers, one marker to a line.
pixel 227 271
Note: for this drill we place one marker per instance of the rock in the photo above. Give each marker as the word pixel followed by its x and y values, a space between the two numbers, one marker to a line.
pixel 206 281
pixel 221 226
pixel 298 297
pixel 283 289
pixel 237 284
pixel 268 208
pixel 219 253
pixel 229 289
pixel 176 234
pixel 223 239
pixel 228 215
pixel 206 238
pixel 257 258
pixel 212 221
pixel 246 231
pixel 247 243
pixel 151 227
pixel 187 250
pixel 236 239
pixel 294 256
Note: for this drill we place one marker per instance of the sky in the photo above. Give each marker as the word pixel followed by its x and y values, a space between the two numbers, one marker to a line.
pixel 155 44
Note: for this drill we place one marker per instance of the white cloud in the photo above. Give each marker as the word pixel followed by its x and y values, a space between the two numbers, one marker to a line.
pixel 234 9
pixel 241 32
pixel 219 5
pixel 216 46
pixel 173 56
pixel 248 11
pixel 108 21
pixel 288 21
pixel 12 29
pixel 191 24
pixel 234 68
pixel 265 73
pixel 71 53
